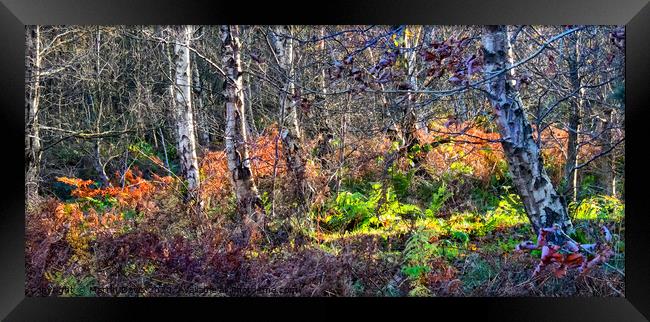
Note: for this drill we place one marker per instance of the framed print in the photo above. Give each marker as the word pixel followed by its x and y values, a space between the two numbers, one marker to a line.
pixel 442 155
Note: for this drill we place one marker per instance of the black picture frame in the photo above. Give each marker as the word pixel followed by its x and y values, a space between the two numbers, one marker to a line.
pixel 634 14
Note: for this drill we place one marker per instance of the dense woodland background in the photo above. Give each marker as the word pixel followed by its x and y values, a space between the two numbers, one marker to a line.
pixel 325 160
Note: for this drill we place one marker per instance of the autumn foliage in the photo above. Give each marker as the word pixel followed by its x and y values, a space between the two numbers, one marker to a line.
pixel 136 230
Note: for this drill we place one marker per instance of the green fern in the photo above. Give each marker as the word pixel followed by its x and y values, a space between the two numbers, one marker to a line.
pixel 437 200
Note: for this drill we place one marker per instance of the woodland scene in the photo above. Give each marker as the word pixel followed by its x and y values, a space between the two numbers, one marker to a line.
pixel 337 161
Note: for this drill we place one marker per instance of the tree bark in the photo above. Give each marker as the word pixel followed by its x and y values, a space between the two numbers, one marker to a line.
pixel 97 107
pixel 411 114
pixel 32 135
pixel 248 200
pixel 248 94
pixel 290 134
pixel 99 165
pixel 199 111
pixel 184 118
pixel 168 52
pixel 392 129
pixel 542 203
pixel 607 165
pixel 570 174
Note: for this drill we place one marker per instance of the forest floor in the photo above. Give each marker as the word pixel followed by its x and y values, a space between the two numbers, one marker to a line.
pixel 458 255
pixel 446 227
pixel 427 259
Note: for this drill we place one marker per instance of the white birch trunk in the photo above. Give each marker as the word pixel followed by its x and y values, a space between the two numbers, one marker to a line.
pixel 32 135
pixel 183 101
pixel 290 135
pixel 412 116
pixel 541 202
pixel 239 163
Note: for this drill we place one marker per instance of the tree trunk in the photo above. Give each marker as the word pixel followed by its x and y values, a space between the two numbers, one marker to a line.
pixel 290 134
pixel 97 108
pixel 413 124
pixel 248 200
pixel 541 202
pixel 252 129
pixel 323 113
pixel 392 129
pixel 99 165
pixel 32 135
pixel 413 118
pixel 570 174
pixel 199 111
pixel 168 52
pixel 184 118
pixel 607 163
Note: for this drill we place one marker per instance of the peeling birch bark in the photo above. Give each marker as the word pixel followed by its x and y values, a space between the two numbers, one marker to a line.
pixel 541 201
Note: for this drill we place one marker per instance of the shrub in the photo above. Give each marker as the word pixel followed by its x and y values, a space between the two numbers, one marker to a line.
pixel 474 152
pixel 351 210
pixel 508 213
pixel 484 199
pixel 598 207
pixel 417 254
pixel 588 186
pixel 137 192
pixel 426 263
pixel 401 182
pixel 367 209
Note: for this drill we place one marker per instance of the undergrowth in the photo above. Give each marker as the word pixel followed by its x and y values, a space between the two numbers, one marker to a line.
pixel 449 230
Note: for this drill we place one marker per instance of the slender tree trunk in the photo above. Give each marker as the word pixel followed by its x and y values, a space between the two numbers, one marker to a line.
pixel 607 163
pixel 248 200
pixel 98 109
pixel 141 108
pixel 184 118
pixel 164 146
pixel 321 47
pixel 290 134
pixel 429 35
pixel 412 116
pixel 542 203
pixel 570 174
pixel 249 107
pixel 252 129
pixel 150 107
pixel 99 165
pixel 199 110
pixel 32 92
pixel 168 52
pixel 325 129
pixel 393 129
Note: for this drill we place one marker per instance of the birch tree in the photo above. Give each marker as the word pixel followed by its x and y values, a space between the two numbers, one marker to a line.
pixel 199 94
pixel 541 201
pixel 183 102
pixel 608 162
pixel 412 116
pixel 288 101
pixel 249 204
pixel 32 135
pixel 570 173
